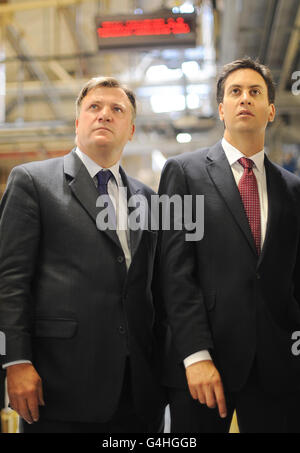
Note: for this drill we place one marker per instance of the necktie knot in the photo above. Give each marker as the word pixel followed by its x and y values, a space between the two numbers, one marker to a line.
pixel 246 163
pixel 103 177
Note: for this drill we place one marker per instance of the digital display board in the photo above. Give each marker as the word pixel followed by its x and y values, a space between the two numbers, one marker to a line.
pixel 161 29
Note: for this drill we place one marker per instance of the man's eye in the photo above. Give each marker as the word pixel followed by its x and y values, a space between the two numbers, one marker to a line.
pixel 235 90
pixel 118 109
pixel 255 91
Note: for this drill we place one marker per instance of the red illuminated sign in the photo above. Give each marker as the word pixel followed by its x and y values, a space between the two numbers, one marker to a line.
pixel 147 31
pixel 146 27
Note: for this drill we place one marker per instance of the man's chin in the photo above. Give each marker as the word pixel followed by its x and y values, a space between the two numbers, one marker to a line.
pixel 246 129
pixel 102 143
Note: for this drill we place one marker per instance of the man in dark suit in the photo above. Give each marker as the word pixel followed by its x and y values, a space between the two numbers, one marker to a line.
pixel 75 298
pixel 232 299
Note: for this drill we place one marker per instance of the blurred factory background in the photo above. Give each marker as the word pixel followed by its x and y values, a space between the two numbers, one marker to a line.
pixel 49 48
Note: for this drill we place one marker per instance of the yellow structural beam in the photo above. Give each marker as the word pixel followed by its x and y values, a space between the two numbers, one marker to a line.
pixel 9 8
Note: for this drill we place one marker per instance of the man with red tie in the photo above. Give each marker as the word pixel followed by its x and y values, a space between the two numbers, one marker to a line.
pixel 232 299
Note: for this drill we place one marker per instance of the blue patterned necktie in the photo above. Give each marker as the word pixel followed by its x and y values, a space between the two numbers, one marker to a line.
pixel 103 177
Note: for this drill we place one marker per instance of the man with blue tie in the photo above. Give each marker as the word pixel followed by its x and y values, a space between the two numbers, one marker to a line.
pixel 233 298
pixel 75 298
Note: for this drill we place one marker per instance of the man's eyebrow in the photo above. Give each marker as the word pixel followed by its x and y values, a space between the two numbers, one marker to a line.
pixel 93 101
pixel 120 103
pixel 100 101
pixel 237 85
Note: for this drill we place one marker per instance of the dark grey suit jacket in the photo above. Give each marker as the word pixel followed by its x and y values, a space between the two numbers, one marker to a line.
pixel 67 302
pixel 218 295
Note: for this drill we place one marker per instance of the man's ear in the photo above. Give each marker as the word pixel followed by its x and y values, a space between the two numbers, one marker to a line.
pixel 272 113
pixel 221 111
pixel 132 132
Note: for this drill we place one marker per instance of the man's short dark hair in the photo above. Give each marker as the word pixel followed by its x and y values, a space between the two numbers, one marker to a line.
pixel 246 63
pixel 108 82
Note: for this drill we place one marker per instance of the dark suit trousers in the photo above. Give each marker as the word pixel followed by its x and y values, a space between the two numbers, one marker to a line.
pixel 125 420
pixel 257 411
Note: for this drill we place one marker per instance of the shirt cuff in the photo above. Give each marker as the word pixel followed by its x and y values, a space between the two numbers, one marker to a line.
pixel 17 362
pixel 197 357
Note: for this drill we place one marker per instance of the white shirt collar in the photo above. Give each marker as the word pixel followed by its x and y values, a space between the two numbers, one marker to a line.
pixel 93 168
pixel 233 155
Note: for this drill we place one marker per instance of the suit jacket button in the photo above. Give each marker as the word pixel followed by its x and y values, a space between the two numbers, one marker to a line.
pixel 120 259
pixel 122 330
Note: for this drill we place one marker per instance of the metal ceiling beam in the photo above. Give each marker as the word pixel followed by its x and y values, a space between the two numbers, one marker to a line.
pixel 291 53
pixel 77 36
pixel 15 7
pixel 269 19
pixel 230 31
pixel 72 86
pixel 60 71
pixel 274 32
pixel 17 41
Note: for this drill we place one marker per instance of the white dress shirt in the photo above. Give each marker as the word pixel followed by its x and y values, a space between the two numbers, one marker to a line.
pixel 233 155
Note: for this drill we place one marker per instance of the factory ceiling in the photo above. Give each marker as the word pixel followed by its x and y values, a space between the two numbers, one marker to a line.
pixel 49 48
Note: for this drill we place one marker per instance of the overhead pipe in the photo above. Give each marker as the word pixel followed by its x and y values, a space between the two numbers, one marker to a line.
pixel 15 7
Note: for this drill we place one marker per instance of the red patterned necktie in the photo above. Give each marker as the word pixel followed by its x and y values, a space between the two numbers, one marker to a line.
pixel 249 194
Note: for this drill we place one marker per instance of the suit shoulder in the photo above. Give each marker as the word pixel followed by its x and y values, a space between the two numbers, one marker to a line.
pixel 138 185
pixel 291 181
pixel 187 162
pixel 288 176
pixel 190 157
pixel 39 167
pixel 32 174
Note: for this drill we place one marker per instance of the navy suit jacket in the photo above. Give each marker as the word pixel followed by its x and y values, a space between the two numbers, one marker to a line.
pixel 218 294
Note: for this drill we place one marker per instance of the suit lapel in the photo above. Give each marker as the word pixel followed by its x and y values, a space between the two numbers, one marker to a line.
pixel 84 189
pixel 221 174
pixel 276 192
pixel 132 189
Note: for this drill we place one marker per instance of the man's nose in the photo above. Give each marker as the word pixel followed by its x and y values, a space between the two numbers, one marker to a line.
pixel 245 99
pixel 104 114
